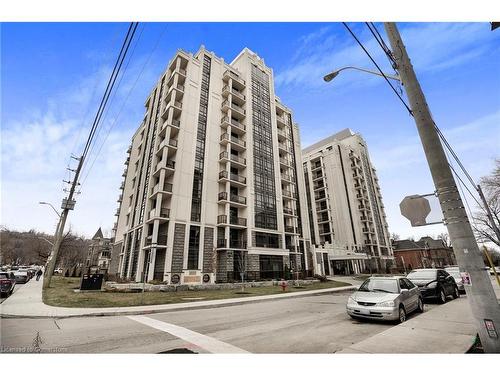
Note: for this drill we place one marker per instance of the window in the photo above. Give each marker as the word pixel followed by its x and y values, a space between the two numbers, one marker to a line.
pixel 194 247
pixel 267 240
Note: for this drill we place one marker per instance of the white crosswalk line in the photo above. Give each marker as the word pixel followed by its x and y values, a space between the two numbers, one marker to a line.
pixel 205 342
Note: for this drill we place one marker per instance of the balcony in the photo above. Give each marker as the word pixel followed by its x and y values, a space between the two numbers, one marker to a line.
pixel 163 215
pixel 234 178
pixel 320 185
pixel 236 126
pixel 288 211
pixel 129 150
pixel 288 194
pixel 226 90
pixel 368 231
pixel 320 196
pixel 284 147
pixel 238 82
pixel 235 200
pixel 117 213
pixel 235 109
pixel 122 186
pixel 168 166
pixel 237 144
pixel 317 175
pixel 235 159
pixel 223 243
pixel 165 189
pixel 173 124
pixel 282 120
pixel 286 162
pixel 323 218
pixel 289 229
pixel 282 135
pixel 236 221
pixel 120 198
pixel 287 177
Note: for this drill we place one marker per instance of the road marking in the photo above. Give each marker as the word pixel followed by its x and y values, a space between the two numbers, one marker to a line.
pixel 205 342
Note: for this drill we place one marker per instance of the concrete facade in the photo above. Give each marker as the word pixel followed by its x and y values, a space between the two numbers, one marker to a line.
pixel 213 177
pixel 346 212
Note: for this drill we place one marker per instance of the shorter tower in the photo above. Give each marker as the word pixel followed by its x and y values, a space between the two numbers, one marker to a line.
pixel 345 205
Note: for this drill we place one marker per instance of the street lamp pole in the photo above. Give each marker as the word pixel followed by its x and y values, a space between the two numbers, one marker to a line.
pixel 480 294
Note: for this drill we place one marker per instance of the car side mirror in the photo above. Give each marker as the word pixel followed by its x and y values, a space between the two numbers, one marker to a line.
pixel 404 290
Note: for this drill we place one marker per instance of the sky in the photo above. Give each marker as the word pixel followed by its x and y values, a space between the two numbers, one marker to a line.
pixel 54 74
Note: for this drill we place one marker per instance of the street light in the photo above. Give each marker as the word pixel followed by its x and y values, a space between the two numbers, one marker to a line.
pixel 49 204
pixel 335 73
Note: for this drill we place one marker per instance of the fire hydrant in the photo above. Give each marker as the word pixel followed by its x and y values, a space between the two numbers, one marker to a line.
pixel 283 284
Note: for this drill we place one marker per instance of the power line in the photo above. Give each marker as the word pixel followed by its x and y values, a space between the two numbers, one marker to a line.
pixel 380 70
pixel 125 101
pixel 384 46
pixel 373 29
pixel 125 46
pixel 112 97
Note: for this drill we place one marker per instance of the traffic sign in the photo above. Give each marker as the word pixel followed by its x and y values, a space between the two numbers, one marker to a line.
pixel 415 208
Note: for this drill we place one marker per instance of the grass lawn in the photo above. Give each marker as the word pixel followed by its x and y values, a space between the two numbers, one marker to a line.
pixel 61 294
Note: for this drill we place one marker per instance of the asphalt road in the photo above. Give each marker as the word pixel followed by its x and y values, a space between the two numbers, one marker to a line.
pixel 315 324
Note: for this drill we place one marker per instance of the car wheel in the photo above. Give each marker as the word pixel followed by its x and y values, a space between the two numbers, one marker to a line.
pixel 402 315
pixel 456 294
pixel 441 296
pixel 420 305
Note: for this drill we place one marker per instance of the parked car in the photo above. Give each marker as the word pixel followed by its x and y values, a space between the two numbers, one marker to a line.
pixel 497 269
pixel 454 271
pixel 21 276
pixel 58 271
pixel 385 298
pixel 7 283
pixel 434 283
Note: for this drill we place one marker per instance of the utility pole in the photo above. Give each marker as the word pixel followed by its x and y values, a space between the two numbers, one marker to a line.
pixel 67 205
pixel 480 294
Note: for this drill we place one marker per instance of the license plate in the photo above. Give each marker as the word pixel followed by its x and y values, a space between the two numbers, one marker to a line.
pixel 364 311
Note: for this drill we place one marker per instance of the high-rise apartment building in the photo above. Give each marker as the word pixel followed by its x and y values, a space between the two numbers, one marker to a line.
pixel 346 212
pixel 213 186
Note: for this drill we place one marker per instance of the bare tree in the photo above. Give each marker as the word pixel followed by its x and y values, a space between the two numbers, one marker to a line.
pixel 445 237
pixel 395 236
pixel 491 188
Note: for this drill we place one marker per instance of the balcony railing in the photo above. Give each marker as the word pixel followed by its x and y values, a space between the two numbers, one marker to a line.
pixel 287 211
pixel 289 229
pixel 233 122
pixel 233 106
pixel 238 243
pixel 234 92
pixel 233 177
pixel 223 219
pixel 234 76
pixel 226 136
pixel 172 142
pixel 235 158
pixel 232 197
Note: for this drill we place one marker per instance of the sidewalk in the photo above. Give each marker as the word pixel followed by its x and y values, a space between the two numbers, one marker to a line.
pixel 26 302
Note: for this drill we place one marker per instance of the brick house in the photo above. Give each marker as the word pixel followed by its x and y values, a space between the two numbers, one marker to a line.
pixel 424 253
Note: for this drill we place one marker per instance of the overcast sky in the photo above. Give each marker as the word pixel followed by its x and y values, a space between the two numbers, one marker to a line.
pixel 53 76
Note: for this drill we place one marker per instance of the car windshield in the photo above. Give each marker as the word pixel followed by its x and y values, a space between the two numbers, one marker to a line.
pixel 380 285
pixel 422 274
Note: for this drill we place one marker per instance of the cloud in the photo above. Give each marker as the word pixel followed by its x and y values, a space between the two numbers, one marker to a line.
pixel 432 47
pixel 36 151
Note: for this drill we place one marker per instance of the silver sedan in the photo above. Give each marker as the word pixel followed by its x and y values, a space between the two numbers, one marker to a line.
pixel 385 298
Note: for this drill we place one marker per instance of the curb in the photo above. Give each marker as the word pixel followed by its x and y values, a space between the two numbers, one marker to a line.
pixel 169 308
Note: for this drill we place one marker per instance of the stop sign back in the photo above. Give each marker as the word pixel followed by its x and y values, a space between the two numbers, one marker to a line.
pixel 415 208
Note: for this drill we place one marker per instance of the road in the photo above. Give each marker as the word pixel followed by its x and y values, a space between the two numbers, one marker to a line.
pixel 314 324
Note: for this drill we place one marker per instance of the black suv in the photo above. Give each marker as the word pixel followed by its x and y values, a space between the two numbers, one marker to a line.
pixel 434 283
